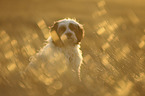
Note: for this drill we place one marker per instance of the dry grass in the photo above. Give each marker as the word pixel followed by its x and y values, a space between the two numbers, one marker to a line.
pixel 113 48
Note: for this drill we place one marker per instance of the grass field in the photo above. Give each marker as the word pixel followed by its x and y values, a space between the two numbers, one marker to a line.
pixel 113 47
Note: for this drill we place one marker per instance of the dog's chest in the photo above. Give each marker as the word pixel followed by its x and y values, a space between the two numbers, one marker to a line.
pixel 72 56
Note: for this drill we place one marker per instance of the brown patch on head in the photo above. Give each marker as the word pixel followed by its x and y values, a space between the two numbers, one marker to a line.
pixel 78 29
pixel 61 30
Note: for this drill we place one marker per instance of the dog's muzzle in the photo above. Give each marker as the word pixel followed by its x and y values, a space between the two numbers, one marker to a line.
pixel 69 35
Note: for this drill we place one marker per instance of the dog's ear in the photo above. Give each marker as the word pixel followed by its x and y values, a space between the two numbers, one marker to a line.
pixel 54 34
pixel 80 33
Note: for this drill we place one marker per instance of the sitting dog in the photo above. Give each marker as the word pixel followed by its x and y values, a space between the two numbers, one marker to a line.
pixel 62 52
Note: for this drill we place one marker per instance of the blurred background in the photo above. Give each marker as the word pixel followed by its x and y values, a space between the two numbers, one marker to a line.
pixel 113 47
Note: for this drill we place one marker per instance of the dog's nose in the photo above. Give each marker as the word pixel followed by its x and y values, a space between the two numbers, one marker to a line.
pixel 69 34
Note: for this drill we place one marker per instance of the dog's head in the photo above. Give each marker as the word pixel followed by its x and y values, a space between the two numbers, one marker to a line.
pixel 69 31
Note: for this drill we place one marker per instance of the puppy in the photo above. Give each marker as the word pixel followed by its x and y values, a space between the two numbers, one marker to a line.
pixel 61 54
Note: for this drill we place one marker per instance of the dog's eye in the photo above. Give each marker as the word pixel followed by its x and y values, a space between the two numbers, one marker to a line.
pixel 72 27
pixel 62 29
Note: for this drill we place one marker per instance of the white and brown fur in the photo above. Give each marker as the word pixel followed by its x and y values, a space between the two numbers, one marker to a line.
pixel 62 52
